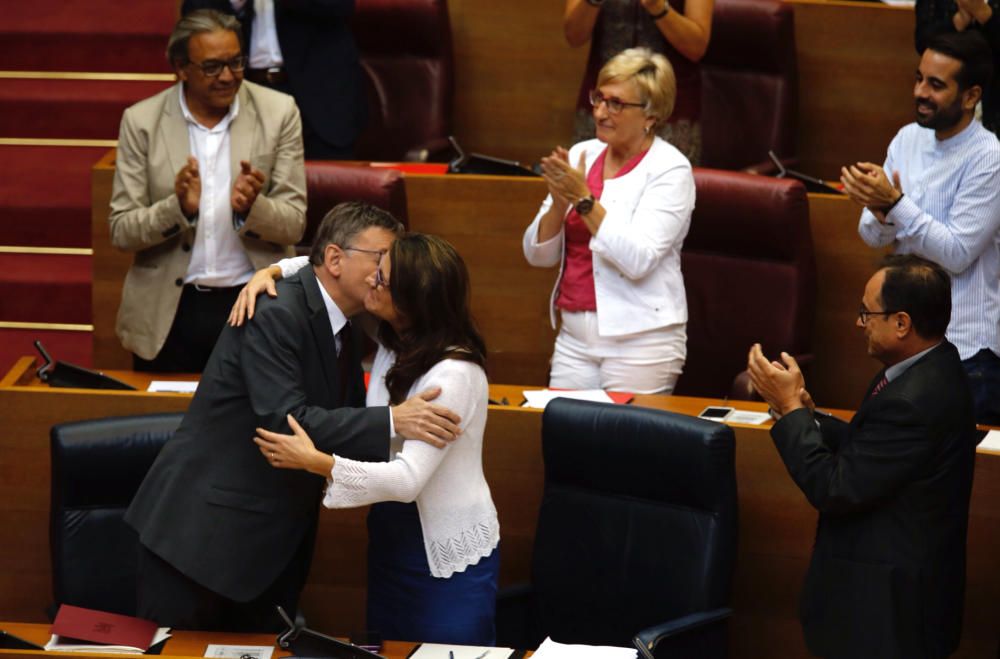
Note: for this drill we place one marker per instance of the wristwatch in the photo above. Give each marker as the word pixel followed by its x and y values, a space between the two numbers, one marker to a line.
pixel 595 3
pixel 585 205
pixel 664 12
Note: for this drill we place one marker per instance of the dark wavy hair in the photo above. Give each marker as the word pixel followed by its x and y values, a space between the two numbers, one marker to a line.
pixel 429 286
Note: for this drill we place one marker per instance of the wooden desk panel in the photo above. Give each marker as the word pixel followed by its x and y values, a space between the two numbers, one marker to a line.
pixel 776 522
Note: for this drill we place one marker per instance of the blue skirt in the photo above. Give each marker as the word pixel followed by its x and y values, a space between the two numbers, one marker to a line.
pixel 406 603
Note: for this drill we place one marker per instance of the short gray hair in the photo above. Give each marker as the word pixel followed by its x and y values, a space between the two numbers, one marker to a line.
pixel 198 22
pixel 653 75
pixel 345 221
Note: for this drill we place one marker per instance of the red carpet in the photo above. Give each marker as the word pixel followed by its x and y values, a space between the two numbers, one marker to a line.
pixel 45 288
pixel 45 195
pixel 86 35
pixel 68 109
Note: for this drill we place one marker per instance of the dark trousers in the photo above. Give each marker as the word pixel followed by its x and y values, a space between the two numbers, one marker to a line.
pixel 171 599
pixel 201 316
pixel 983 369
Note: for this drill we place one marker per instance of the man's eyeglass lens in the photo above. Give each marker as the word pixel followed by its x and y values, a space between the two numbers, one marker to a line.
pixel 213 67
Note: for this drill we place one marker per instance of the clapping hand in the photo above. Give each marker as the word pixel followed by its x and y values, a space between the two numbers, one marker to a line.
pixel 567 184
pixel 248 185
pixel 187 187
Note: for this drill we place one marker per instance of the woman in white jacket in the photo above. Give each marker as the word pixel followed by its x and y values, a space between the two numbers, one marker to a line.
pixel 614 220
pixel 432 547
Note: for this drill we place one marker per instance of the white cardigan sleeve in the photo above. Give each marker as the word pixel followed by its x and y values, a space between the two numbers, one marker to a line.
pixel 354 483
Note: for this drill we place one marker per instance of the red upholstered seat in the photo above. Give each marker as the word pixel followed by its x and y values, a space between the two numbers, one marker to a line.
pixel 750 276
pixel 330 182
pixel 749 85
pixel 406 54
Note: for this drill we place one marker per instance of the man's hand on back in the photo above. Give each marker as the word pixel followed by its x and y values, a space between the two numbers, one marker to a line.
pixel 417 418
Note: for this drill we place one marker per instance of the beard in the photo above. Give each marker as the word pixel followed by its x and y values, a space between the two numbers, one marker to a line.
pixel 938 118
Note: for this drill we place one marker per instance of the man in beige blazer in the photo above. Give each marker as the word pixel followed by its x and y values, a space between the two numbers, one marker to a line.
pixel 209 186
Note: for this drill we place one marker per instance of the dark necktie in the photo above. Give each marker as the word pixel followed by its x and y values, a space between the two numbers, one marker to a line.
pixel 345 361
pixel 879 387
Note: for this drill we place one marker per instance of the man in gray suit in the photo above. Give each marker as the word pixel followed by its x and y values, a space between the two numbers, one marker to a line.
pixel 209 186
pixel 224 536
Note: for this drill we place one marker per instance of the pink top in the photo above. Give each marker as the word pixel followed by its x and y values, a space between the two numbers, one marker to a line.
pixel 576 288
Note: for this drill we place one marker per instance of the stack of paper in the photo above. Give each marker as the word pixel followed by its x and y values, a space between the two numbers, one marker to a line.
pixel 549 649
pixel 540 398
pixel 77 629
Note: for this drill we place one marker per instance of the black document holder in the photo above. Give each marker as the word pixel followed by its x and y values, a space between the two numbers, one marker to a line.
pixel 10 642
pixel 63 374
pixel 304 642
pixel 477 163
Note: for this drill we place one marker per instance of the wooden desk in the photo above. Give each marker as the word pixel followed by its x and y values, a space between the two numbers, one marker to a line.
pixel 775 536
pixel 180 644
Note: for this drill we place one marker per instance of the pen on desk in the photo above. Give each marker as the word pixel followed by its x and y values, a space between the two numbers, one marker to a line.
pixel 451 655
pixel 483 654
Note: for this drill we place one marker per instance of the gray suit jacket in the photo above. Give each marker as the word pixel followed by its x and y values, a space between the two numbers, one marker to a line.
pixel 146 217
pixel 211 505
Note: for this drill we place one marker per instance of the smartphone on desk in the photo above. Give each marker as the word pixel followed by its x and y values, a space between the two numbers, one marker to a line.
pixel 716 413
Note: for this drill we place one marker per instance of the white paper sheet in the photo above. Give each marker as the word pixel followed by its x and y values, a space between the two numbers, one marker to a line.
pixel 540 398
pixel 549 649
pixel 239 651
pixel 173 386
pixel 444 651
pixel 57 644
pixel 748 418
pixel 992 441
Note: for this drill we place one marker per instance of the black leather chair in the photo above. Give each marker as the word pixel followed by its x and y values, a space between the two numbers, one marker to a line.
pixel 636 537
pixel 97 467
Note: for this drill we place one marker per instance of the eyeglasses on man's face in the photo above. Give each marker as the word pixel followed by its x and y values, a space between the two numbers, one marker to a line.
pixel 865 314
pixel 614 105
pixel 212 68
pixel 380 280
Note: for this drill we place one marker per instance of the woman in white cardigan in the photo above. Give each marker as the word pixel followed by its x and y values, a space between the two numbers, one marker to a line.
pixel 432 551
pixel 614 220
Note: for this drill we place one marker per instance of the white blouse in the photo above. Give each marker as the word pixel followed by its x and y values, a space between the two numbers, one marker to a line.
pixel 457 515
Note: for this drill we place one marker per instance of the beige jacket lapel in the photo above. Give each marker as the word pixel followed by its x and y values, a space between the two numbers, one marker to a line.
pixel 174 131
pixel 242 132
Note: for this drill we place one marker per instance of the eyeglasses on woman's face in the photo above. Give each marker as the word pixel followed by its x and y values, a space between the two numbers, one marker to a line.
pixel 615 105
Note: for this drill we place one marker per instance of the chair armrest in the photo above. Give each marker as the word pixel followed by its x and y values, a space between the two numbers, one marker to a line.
pixel 697 635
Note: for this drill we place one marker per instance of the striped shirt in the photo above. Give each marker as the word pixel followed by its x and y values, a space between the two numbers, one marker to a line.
pixel 950 214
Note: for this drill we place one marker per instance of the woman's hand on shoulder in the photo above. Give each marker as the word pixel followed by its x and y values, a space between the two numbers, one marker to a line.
pixel 262 281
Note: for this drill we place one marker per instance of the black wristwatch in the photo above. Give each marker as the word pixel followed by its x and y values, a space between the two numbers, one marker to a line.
pixel 585 205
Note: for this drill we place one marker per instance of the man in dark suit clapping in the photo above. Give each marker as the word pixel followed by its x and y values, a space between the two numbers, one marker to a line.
pixel 224 536
pixel 887 576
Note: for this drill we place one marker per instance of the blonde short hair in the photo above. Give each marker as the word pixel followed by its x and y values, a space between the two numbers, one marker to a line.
pixel 653 76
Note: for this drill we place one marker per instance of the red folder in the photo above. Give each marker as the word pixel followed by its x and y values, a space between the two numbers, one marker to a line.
pixel 102 627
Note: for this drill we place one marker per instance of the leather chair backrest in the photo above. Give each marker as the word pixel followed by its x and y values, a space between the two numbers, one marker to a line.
pixel 97 466
pixel 329 183
pixel 406 55
pixel 749 84
pixel 749 275
pixel 638 520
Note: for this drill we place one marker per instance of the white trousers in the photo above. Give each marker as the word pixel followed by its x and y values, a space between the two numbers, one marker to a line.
pixel 643 363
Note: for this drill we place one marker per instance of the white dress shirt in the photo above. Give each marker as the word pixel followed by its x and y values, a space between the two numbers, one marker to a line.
pixel 264 49
pixel 217 256
pixel 950 214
